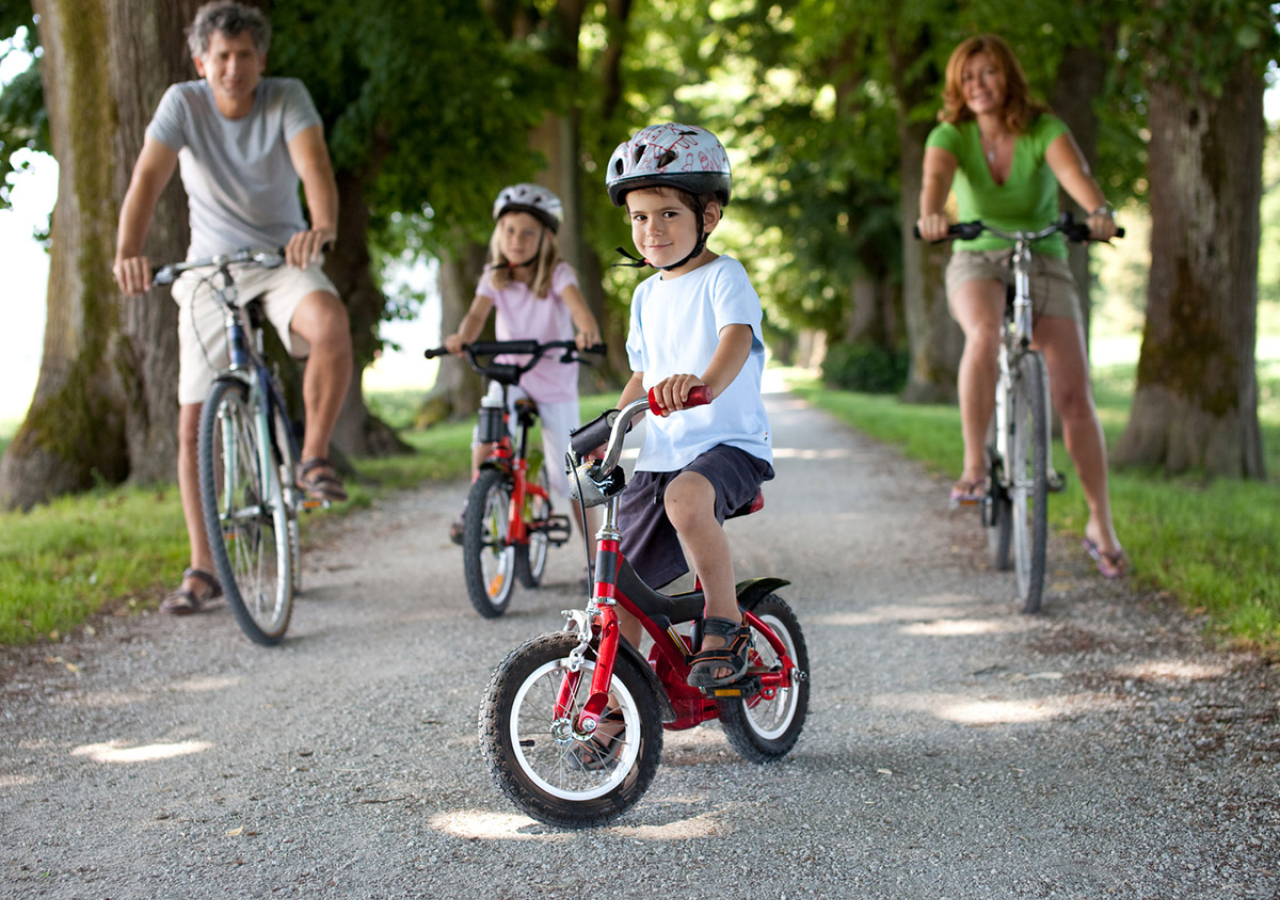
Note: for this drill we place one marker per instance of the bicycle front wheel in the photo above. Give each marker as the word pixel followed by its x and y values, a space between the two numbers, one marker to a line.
pixel 531 557
pixel 488 558
pixel 1029 472
pixel 245 514
pixel 997 511
pixel 552 774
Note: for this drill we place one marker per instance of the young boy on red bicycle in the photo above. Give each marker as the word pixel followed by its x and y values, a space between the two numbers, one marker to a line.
pixel 694 322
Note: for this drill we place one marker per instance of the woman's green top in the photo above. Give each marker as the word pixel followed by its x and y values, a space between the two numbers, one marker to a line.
pixel 1028 201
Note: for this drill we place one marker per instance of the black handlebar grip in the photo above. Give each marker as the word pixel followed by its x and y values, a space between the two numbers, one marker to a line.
pixel 594 434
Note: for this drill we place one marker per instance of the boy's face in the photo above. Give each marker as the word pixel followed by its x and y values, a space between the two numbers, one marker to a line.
pixel 663 228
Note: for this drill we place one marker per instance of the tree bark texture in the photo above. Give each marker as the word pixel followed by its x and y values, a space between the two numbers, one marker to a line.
pixel 1195 406
pixel 1081 77
pixel 934 339
pixel 356 432
pixel 105 406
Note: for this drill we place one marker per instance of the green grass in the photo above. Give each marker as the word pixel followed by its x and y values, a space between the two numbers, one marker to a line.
pixel 119 550
pixel 1212 545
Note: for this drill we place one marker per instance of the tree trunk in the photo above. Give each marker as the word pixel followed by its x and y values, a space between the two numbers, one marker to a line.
pixel 1196 401
pixel 1081 77
pixel 934 339
pixel 104 407
pixel 357 433
pixel 457 390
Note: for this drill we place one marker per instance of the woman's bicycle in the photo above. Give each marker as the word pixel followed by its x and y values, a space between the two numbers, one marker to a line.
pixel 1019 436
pixel 572 722
pixel 509 522
pixel 248 457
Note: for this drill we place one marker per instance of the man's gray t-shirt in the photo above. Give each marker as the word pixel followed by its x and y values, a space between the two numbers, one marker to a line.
pixel 242 189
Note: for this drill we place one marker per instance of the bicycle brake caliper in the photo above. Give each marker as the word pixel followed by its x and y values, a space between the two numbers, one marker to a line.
pixel 578 621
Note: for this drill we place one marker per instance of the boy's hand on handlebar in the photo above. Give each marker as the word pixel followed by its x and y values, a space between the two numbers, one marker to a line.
pixel 133 275
pixel 933 227
pixel 673 392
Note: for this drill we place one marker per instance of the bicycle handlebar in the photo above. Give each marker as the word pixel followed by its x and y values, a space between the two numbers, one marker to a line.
pixel 609 428
pixel 169 272
pixel 1070 229
pixel 535 350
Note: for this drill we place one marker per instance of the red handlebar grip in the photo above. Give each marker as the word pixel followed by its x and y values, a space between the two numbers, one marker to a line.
pixel 698 396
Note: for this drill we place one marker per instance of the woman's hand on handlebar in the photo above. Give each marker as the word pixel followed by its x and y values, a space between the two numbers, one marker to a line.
pixel 933 227
pixel 133 275
pixel 1102 227
pixel 672 393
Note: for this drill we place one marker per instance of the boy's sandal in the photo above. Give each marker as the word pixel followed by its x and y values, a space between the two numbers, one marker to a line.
pixel 184 601
pixel 604 747
pixel 704 664
pixel 319 479
pixel 1110 565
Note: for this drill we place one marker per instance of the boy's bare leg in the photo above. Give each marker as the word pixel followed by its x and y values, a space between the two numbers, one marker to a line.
pixel 690 504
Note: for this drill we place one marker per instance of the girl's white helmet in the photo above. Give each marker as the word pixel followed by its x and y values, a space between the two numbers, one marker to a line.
pixel 533 199
pixel 670 155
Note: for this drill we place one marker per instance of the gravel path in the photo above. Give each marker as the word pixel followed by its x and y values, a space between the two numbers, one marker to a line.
pixel 954 748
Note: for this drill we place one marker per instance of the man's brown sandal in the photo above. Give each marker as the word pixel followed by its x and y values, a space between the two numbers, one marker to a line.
pixel 319 478
pixel 704 664
pixel 184 601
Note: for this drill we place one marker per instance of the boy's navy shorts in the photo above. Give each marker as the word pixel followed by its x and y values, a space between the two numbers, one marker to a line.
pixel 649 540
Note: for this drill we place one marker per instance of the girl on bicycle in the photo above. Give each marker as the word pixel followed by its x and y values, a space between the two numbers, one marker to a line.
pixel 696 321
pixel 537 298
pixel 1006 156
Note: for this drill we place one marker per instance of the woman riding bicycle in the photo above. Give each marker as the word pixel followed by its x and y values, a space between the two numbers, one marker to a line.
pixel 1006 156
pixel 537 297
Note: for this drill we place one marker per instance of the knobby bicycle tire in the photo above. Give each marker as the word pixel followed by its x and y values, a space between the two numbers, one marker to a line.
pixel 1029 420
pixel 539 764
pixel 246 518
pixel 488 559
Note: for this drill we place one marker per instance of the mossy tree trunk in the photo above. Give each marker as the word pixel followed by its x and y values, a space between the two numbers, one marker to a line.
pixel 935 341
pixel 1195 407
pixel 104 408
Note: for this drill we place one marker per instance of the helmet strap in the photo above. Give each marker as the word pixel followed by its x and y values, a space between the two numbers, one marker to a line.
pixel 638 263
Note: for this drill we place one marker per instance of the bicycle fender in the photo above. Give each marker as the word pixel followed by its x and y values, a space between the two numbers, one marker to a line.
pixel 664 702
pixel 501 465
pixel 753 589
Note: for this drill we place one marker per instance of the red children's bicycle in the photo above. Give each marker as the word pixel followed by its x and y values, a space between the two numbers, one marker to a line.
pixel 572 722
pixel 509 523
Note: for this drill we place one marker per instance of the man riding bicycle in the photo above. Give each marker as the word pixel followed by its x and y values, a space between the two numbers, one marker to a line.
pixel 242 143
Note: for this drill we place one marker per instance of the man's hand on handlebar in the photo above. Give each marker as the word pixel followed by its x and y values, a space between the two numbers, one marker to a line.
pixel 305 247
pixel 133 275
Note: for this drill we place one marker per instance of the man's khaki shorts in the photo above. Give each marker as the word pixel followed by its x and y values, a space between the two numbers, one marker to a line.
pixel 1053 286
pixel 202 336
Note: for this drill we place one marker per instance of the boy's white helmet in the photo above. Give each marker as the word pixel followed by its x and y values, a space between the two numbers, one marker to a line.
pixel 533 199
pixel 670 155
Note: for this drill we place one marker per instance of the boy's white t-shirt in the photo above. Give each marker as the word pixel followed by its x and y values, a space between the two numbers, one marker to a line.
pixel 675 329
pixel 524 316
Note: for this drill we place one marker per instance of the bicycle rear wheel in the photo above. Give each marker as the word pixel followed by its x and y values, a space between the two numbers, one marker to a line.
pixel 765 727
pixel 1029 471
pixel 488 559
pixel 531 557
pixel 245 514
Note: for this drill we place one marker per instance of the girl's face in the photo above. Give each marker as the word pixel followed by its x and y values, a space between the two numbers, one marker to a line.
pixel 664 230
pixel 982 84
pixel 518 236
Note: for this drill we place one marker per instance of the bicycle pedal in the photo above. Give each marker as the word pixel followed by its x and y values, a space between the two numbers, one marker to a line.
pixel 1057 482
pixel 747 686
pixel 309 505
pixel 557 530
